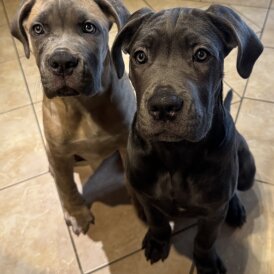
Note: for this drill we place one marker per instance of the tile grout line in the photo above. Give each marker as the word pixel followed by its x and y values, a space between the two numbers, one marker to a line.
pixel 245 88
pixel 266 18
pixel 241 102
pixel 70 234
pixel 236 92
pixel 24 180
pixel 136 251
pixel 145 1
pixel 16 108
pixel 41 135
pixel 243 15
pixel 25 80
pixel 73 246
pixel 264 182
pixel 234 103
pixel 112 262
pixel 258 100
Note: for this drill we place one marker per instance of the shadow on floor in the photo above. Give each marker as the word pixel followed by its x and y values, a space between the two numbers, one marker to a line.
pixel 232 244
pixel 106 185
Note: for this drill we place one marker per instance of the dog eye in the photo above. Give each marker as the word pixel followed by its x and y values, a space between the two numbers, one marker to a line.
pixel 38 29
pixel 88 27
pixel 140 57
pixel 201 55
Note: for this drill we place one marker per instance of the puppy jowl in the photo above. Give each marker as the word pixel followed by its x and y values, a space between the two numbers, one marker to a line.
pixel 85 105
pixel 185 156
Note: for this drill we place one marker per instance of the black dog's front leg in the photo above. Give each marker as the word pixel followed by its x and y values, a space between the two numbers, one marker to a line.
pixel 205 256
pixel 156 243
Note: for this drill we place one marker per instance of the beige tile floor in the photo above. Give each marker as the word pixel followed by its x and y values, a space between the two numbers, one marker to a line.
pixel 33 235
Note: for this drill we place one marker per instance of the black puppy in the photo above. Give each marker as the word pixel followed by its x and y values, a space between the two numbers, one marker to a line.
pixel 185 157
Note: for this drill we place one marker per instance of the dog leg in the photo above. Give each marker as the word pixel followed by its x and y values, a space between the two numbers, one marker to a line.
pixel 247 168
pixel 138 207
pixel 205 256
pixel 236 215
pixel 156 243
pixel 76 213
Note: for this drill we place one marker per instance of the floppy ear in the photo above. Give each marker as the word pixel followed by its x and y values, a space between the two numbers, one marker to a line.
pixel 17 28
pixel 115 10
pixel 124 37
pixel 235 32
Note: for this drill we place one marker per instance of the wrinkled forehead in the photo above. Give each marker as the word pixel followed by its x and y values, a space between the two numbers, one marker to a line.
pixel 181 27
pixel 65 11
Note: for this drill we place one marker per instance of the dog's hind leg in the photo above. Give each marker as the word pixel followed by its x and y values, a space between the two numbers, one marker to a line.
pixel 247 168
pixel 236 215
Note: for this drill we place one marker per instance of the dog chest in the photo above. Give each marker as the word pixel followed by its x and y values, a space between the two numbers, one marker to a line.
pixel 91 137
pixel 177 196
pixel 179 179
pixel 74 131
pixel 186 195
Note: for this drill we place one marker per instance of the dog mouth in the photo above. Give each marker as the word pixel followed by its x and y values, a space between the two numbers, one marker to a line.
pixel 190 132
pixel 165 136
pixel 67 92
pixel 72 86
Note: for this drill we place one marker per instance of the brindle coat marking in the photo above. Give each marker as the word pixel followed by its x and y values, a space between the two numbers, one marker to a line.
pixel 185 157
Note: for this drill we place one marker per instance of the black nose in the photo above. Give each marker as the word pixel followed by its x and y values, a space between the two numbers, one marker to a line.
pixel 61 62
pixel 164 105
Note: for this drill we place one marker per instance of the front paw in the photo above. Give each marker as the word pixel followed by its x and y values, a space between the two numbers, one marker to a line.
pixel 210 265
pixel 79 218
pixel 156 248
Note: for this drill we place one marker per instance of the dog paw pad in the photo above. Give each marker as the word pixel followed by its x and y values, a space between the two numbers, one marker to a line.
pixel 79 221
pixel 155 249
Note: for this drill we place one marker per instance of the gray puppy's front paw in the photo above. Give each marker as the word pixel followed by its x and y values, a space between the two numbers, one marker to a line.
pixel 79 219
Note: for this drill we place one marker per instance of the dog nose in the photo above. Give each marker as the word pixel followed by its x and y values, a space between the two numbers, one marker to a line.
pixel 164 105
pixel 62 62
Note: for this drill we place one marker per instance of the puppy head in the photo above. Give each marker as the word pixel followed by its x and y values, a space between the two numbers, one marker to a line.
pixel 176 67
pixel 69 40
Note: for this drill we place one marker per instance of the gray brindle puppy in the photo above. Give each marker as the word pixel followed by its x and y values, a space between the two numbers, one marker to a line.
pixel 185 157
pixel 87 110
